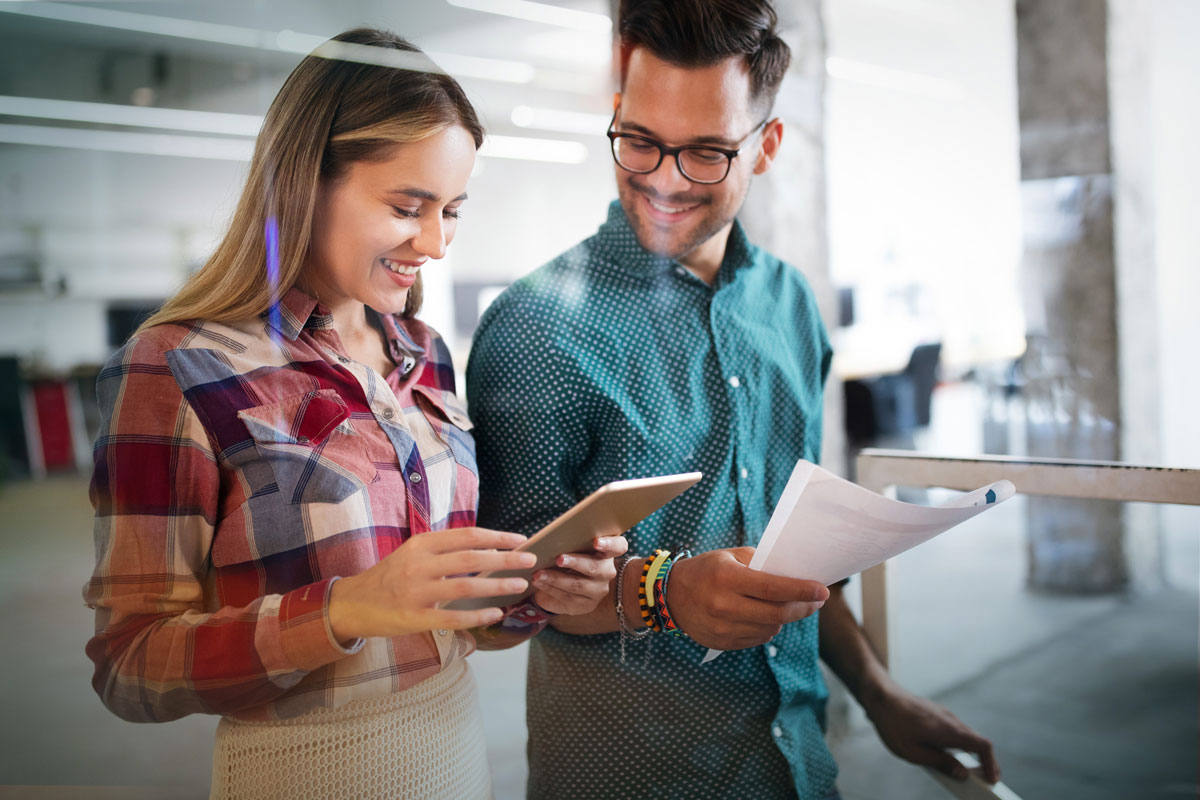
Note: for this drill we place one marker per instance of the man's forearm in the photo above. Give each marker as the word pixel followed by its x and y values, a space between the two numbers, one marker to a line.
pixel 603 619
pixel 844 647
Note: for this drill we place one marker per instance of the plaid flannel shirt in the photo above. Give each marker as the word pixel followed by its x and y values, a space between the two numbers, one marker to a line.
pixel 240 469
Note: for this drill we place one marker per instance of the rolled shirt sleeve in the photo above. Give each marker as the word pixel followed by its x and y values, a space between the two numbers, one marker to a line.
pixel 159 651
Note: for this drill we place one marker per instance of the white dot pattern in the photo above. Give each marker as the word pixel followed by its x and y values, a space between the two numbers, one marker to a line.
pixel 611 363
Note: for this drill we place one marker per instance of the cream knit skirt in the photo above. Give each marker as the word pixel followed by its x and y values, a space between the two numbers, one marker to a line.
pixel 424 742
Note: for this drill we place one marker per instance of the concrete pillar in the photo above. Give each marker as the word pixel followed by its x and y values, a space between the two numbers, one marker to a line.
pixel 1068 273
pixel 1132 140
pixel 786 212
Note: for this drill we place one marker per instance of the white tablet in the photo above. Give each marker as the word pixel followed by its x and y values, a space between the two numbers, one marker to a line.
pixel 609 511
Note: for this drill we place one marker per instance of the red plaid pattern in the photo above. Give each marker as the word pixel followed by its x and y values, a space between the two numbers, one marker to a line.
pixel 240 469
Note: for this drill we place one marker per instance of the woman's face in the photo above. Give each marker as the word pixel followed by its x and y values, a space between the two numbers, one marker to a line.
pixel 377 226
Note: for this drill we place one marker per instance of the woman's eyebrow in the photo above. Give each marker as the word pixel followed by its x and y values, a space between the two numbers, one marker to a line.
pixel 425 194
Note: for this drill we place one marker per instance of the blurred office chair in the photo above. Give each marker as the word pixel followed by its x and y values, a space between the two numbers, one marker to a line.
pixel 893 406
pixel 922 370
pixel 14 449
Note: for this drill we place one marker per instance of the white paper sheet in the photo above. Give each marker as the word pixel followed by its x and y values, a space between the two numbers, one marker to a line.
pixel 825 528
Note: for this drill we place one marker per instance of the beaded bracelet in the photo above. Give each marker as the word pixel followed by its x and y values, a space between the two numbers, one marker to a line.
pixel 661 611
pixel 646 587
pixel 619 605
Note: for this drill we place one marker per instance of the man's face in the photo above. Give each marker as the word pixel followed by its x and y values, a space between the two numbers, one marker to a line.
pixel 671 215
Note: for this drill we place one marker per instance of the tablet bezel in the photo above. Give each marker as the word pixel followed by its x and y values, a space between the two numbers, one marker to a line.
pixel 611 510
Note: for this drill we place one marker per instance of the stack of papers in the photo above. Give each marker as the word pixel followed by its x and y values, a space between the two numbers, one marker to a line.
pixel 825 528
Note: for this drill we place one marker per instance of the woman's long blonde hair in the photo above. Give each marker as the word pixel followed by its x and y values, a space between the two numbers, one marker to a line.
pixel 352 99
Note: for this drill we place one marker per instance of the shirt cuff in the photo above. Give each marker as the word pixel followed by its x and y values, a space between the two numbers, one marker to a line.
pixel 306 635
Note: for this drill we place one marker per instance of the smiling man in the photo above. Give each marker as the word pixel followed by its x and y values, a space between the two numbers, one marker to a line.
pixel 669 343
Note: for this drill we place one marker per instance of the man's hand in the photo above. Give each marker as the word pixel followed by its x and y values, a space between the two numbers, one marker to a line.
pixel 579 581
pixel 921 731
pixel 720 602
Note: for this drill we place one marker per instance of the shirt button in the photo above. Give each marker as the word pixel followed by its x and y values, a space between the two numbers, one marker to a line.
pixel 415 477
pixel 387 412
pixel 772 650
pixel 777 732
pixel 735 381
pixel 745 472
pixel 343 359
pixel 680 271
pixel 442 632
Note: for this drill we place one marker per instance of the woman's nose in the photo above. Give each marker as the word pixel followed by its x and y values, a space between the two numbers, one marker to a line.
pixel 431 241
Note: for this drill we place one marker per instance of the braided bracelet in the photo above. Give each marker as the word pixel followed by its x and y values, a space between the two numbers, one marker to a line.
pixel 646 587
pixel 661 611
pixel 619 605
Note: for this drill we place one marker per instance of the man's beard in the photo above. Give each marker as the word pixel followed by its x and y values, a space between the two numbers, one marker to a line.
pixel 651 237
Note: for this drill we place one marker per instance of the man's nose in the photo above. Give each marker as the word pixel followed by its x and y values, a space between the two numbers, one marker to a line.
pixel 667 179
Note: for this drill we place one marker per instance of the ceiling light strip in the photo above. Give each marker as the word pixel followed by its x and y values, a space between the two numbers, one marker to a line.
pixel 157 144
pixel 133 116
pixel 462 66
pixel 224 149
pixel 539 12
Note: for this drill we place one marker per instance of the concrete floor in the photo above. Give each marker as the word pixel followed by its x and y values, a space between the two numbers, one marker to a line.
pixel 1084 697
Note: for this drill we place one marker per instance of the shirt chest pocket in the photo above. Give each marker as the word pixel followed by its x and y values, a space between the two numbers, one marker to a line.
pixel 453 426
pixel 311 447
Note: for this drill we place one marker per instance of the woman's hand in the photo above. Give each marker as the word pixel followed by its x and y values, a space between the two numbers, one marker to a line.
pixel 579 581
pixel 401 593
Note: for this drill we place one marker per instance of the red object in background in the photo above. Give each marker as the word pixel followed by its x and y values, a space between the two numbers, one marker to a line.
pixel 54 431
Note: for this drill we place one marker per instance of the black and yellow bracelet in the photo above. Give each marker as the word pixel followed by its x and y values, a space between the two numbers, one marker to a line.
pixel 661 611
pixel 650 572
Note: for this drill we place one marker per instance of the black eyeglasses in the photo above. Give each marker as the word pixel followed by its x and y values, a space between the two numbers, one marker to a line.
pixel 699 163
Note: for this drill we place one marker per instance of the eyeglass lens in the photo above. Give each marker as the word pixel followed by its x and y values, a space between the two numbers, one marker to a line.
pixel 699 164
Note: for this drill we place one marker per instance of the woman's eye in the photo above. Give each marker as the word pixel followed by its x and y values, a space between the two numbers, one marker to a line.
pixel 404 212
pixel 451 213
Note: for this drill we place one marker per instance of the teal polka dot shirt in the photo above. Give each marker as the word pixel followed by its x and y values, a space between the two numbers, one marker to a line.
pixel 611 363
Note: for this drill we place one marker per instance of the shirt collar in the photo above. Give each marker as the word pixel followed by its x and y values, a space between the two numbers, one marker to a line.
pixel 739 253
pixel 404 349
pixel 295 311
pixel 619 242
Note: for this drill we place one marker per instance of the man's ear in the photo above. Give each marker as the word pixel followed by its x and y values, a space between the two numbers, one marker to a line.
pixel 616 101
pixel 771 137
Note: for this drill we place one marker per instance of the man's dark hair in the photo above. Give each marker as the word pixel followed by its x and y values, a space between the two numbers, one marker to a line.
pixel 700 33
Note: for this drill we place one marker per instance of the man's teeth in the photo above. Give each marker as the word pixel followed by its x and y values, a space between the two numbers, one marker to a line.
pixel 399 269
pixel 670 209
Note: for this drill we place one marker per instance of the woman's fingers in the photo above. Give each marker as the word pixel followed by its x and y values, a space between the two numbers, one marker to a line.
pixel 454 588
pixel 463 620
pixel 472 562
pixel 467 539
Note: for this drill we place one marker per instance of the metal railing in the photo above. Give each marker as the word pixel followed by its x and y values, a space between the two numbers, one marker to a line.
pixel 882 470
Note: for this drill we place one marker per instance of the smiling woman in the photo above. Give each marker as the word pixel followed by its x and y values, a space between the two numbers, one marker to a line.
pixel 285 482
